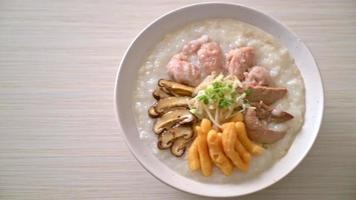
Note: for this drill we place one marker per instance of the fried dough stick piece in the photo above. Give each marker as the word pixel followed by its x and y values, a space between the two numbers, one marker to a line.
pixel 251 147
pixel 193 156
pixel 206 165
pixel 244 154
pixel 229 137
pixel 238 117
pixel 217 153
pixel 239 147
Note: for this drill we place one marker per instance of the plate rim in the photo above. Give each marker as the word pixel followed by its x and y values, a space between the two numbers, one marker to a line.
pixel 116 89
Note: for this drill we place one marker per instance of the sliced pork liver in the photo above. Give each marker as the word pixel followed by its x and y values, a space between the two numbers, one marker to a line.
pixel 268 95
pixel 265 112
pixel 258 131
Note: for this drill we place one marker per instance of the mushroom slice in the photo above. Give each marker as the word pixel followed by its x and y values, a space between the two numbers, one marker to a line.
pixel 159 93
pixel 152 112
pixel 163 105
pixel 167 137
pixel 172 118
pixel 182 131
pixel 179 146
pixel 176 88
pixel 166 91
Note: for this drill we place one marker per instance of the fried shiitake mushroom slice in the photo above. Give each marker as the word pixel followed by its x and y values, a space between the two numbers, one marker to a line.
pixel 159 93
pixel 168 137
pixel 152 112
pixel 171 119
pixel 176 88
pixel 179 146
pixel 168 103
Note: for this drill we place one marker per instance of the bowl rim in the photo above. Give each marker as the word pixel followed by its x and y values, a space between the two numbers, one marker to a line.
pixel 133 152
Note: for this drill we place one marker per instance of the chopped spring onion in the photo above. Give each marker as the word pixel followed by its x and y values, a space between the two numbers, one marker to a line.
pixel 217 98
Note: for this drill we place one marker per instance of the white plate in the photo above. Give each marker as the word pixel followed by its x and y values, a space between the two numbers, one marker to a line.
pixel 153 33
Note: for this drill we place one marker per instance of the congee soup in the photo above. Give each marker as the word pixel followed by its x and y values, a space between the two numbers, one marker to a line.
pixel 219 100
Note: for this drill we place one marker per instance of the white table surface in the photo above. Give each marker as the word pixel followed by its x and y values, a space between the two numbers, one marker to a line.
pixel 59 138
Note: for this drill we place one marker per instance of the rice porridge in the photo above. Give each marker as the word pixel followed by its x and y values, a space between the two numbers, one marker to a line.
pixel 229 34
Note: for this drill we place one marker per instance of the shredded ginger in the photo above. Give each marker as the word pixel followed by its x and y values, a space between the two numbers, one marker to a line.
pixel 218 99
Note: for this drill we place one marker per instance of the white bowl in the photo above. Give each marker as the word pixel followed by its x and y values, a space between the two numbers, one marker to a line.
pixel 154 32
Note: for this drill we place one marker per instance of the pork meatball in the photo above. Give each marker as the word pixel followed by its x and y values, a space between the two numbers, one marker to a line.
pixel 239 60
